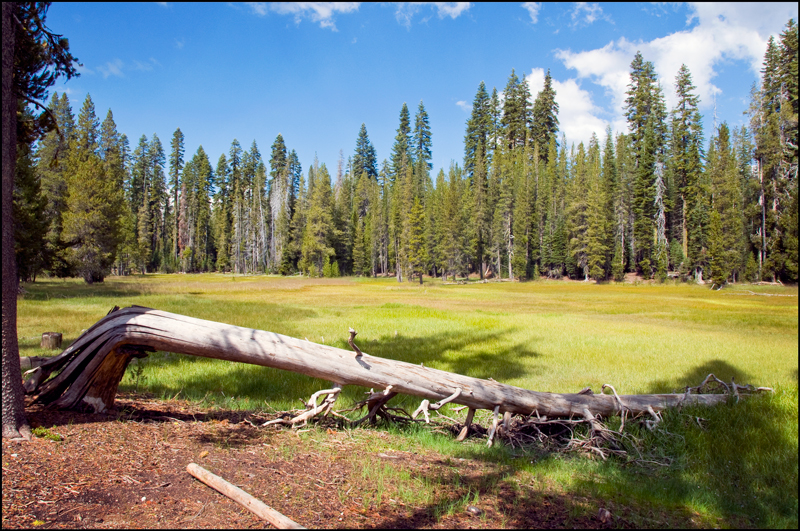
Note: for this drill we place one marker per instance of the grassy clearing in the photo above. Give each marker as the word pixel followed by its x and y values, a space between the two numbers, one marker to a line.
pixel 739 469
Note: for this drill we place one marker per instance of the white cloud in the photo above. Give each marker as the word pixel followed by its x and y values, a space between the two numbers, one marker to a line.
pixel 112 68
pixel 464 105
pixel 585 13
pixel 577 114
pixel 406 10
pixel 83 69
pixel 145 65
pixel 163 4
pixel 533 10
pixel 729 31
pixel 322 12
pixel 179 43
pixel 451 9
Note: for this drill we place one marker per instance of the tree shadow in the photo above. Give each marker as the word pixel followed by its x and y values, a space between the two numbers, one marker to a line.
pixel 477 356
pixel 735 464
pixel 740 459
pixel 44 290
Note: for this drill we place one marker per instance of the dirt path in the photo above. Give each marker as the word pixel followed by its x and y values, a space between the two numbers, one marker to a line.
pixel 128 469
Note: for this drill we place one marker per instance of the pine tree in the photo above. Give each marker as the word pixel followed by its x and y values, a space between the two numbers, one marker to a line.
pixel 401 149
pixel 577 219
pixel 319 228
pixel 91 220
pixel 646 114
pixel 158 204
pixel 436 224
pixel 454 242
pixel 113 151
pixel 476 139
pixel 517 114
pixel 417 251
pixel 31 225
pixel 422 152
pixel 523 183
pixel 480 215
pixel 495 125
pixel 597 218
pixel 52 153
pixel 544 125
pixel 686 138
pixel 726 245
pixel 364 159
pixel 221 215
pixel 175 167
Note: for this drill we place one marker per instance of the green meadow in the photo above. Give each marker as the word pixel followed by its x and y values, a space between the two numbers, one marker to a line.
pixel 736 468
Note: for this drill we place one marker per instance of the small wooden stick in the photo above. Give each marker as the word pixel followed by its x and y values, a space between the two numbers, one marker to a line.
pixel 244 499
pixel 467 424
pixel 353 334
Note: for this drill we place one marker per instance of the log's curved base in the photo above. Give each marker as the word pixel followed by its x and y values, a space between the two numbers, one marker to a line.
pixel 93 365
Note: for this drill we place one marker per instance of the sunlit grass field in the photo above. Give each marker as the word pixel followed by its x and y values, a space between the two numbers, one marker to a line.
pixel 740 470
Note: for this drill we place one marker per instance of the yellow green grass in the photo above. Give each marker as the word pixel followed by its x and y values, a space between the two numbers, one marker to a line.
pixel 740 469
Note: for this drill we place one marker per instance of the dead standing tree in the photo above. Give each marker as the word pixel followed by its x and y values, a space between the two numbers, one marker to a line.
pixel 93 365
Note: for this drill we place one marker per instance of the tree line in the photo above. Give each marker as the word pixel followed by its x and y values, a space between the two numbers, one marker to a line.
pixel 657 200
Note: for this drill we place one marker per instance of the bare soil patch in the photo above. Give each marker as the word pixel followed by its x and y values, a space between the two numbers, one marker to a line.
pixel 127 468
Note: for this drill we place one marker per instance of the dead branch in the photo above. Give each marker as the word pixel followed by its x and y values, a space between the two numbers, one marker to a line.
pixel 254 505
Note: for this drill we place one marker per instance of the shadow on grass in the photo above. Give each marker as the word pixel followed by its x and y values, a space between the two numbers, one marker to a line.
pixel 732 465
pixel 735 461
pixel 44 290
pixel 216 381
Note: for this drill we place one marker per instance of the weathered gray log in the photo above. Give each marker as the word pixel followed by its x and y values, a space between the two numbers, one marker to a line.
pixel 51 340
pixel 241 497
pixel 30 362
pixel 94 364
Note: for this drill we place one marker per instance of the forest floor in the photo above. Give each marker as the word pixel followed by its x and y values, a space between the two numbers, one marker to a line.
pixel 127 469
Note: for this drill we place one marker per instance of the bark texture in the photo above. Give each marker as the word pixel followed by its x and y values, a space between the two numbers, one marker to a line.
pixel 14 422
pixel 94 364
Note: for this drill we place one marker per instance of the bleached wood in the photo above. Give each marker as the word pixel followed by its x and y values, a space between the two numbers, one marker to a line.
pixel 165 331
pixel 254 505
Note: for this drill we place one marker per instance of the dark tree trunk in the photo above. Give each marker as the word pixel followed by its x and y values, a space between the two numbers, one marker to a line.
pixel 14 422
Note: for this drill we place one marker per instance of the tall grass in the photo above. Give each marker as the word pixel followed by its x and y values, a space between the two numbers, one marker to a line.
pixel 738 467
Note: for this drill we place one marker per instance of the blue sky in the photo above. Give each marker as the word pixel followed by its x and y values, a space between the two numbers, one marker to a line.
pixel 314 72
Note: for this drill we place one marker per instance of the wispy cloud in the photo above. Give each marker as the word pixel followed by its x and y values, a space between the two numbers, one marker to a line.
pixel 163 4
pixel 179 43
pixel 83 69
pixel 464 105
pixel 406 10
pixel 112 68
pixel 145 65
pixel 322 12
pixel 533 9
pixel 586 14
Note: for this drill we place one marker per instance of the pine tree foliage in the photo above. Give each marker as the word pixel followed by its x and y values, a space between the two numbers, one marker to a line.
pixel 365 159
pixel 651 201
pixel 545 117
pixel 94 202
pixel 477 137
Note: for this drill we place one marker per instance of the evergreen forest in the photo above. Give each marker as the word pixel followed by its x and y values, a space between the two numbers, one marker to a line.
pixel 659 200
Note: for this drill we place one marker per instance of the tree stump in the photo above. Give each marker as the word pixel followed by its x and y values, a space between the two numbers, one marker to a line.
pixel 51 340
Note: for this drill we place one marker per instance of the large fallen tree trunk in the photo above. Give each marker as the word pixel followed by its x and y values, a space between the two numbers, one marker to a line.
pixel 92 367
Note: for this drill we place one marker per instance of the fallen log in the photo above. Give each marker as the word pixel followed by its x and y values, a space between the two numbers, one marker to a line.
pixel 92 366
pixel 244 499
